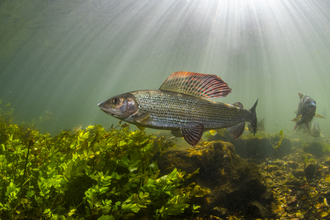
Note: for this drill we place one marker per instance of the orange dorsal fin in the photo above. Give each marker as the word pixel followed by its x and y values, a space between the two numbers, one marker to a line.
pixel 196 84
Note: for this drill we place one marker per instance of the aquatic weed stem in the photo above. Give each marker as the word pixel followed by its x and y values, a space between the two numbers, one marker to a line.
pixel 26 160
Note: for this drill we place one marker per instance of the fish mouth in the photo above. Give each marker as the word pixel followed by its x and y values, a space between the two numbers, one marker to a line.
pixel 104 109
pixel 107 112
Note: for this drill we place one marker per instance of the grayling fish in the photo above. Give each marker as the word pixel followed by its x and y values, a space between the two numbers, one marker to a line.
pixel 315 130
pixel 306 111
pixel 180 105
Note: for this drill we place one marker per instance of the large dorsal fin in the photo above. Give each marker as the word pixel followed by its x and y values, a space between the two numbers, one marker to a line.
pixel 196 84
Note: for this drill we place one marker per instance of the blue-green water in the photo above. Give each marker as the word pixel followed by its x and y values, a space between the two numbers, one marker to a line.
pixel 64 57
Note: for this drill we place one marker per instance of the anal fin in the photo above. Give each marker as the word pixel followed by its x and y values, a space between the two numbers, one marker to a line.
pixel 193 135
pixel 237 130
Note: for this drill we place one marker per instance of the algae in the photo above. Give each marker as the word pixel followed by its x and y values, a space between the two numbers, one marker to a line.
pixel 88 174
pixel 95 173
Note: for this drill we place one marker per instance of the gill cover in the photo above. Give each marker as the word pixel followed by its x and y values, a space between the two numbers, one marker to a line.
pixel 120 106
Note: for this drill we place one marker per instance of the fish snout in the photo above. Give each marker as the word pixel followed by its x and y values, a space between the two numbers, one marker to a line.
pixel 103 107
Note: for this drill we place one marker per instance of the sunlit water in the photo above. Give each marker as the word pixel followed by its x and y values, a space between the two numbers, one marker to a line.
pixel 58 59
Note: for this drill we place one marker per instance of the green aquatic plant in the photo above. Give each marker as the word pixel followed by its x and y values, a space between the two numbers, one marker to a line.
pixel 89 174
pixel 258 135
pixel 279 138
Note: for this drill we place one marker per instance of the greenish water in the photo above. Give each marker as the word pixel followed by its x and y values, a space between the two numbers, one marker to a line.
pixel 58 59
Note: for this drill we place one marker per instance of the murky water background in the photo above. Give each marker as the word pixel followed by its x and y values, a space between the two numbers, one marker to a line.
pixel 58 59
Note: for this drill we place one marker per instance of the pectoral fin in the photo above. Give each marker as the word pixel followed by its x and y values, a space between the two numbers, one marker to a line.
pixel 296 119
pixel 236 130
pixel 319 116
pixel 193 135
pixel 142 119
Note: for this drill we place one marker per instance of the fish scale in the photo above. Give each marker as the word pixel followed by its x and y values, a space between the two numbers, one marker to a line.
pixel 170 110
pixel 181 105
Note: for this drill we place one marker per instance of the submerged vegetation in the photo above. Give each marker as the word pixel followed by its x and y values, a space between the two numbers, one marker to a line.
pixel 278 143
pixel 87 174
pixel 95 173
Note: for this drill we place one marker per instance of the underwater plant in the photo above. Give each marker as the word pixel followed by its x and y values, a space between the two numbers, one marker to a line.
pixel 91 173
pixel 278 143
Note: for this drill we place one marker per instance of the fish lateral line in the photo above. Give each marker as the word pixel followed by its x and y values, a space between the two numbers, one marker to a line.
pixel 180 106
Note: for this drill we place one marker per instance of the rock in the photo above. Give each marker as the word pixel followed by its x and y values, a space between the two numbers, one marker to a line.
pixel 294 182
pixel 293 164
pixel 310 171
pixel 272 168
pixel 235 184
pixel 259 147
pixel 298 173
pixel 315 149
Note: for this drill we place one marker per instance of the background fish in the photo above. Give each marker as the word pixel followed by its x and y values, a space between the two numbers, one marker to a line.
pixel 260 126
pixel 180 105
pixel 315 130
pixel 306 111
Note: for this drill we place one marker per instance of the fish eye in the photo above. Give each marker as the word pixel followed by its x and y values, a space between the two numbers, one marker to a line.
pixel 115 101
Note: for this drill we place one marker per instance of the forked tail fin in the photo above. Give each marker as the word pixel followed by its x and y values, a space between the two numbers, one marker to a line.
pixel 254 120
pixel 237 130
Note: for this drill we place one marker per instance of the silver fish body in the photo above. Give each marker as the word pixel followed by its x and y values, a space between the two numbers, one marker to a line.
pixel 306 111
pixel 306 108
pixel 184 113
pixel 315 130
pixel 173 111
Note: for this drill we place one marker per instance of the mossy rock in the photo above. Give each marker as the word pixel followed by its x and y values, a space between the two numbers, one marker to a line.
pixel 234 183
pixel 259 147
pixel 298 173
pixel 315 149
pixel 312 171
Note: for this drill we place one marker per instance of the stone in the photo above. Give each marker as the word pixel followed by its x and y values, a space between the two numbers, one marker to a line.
pixel 235 185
